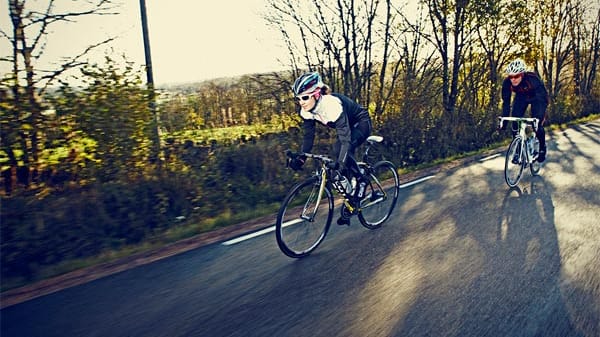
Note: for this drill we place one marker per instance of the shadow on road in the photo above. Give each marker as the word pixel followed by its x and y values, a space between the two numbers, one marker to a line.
pixel 514 287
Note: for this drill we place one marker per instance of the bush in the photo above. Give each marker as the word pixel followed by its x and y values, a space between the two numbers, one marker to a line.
pixel 84 222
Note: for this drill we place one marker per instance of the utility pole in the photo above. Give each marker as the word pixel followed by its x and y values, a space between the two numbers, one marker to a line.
pixel 150 83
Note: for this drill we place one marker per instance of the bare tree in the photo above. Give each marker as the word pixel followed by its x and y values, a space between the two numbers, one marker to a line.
pixel 452 32
pixel 586 49
pixel 416 63
pixel 27 81
pixel 343 40
pixel 499 39
pixel 403 62
pixel 551 44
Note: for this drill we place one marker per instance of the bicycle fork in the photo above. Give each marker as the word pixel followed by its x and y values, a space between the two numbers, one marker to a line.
pixel 312 213
pixel 526 157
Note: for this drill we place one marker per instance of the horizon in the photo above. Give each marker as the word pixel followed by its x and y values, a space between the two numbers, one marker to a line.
pixel 208 46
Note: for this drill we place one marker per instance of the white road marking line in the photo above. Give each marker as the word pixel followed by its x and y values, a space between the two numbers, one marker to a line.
pixel 257 233
pixel 248 236
pixel 490 157
pixel 414 182
pixel 272 228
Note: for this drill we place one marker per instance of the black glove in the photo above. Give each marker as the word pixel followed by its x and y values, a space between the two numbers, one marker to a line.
pixel 296 162
pixel 503 126
pixel 334 165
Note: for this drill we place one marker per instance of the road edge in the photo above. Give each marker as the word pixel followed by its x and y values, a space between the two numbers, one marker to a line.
pixel 88 274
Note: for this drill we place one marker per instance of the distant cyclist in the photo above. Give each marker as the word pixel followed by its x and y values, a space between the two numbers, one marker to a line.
pixel 529 90
pixel 350 120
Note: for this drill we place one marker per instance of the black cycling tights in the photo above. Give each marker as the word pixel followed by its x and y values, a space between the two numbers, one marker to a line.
pixel 360 132
pixel 538 110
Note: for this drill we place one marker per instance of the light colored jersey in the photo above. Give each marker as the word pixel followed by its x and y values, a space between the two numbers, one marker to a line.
pixel 328 110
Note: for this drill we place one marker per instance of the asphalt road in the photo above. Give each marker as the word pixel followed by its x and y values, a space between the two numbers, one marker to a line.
pixel 463 255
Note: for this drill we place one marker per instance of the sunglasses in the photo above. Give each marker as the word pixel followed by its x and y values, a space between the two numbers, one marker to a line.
pixel 512 77
pixel 304 97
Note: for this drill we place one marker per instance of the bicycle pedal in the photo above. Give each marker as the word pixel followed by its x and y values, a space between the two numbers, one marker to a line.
pixel 343 221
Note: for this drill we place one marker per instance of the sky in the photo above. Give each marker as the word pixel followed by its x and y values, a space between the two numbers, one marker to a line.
pixel 190 40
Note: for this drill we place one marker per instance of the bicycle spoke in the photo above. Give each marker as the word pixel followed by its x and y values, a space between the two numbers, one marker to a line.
pixel 304 219
pixel 381 195
pixel 514 163
pixel 535 167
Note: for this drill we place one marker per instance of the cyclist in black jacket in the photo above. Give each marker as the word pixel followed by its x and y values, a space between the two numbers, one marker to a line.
pixel 529 90
pixel 350 120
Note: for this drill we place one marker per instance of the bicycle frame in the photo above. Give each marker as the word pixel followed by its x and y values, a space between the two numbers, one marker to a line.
pixel 306 212
pixel 321 173
pixel 519 155
pixel 522 134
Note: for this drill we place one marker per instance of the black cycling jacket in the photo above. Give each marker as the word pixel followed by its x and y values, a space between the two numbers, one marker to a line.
pixel 531 90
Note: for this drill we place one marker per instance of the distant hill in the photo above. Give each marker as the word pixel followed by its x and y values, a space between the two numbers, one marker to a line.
pixel 184 87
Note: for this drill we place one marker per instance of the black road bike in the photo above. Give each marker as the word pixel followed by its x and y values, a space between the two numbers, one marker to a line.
pixel 523 150
pixel 306 212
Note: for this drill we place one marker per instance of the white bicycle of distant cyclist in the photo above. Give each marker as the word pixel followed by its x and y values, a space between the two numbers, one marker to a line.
pixel 517 159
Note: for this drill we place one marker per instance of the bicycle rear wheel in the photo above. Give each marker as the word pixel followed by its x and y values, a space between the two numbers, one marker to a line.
pixel 304 218
pixel 514 162
pixel 535 167
pixel 381 194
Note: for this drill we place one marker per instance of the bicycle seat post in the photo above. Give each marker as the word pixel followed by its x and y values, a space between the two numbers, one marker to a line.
pixel 366 153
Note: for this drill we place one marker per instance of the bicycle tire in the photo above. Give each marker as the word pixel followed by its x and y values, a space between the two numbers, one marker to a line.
pixel 302 224
pixel 535 167
pixel 513 171
pixel 381 194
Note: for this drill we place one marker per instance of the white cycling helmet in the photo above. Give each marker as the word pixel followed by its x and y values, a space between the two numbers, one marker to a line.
pixel 308 82
pixel 516 67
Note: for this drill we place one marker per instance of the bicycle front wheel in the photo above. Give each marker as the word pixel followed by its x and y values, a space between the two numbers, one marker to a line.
pixel 304 218
pixel 381 194
pixel 514 162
